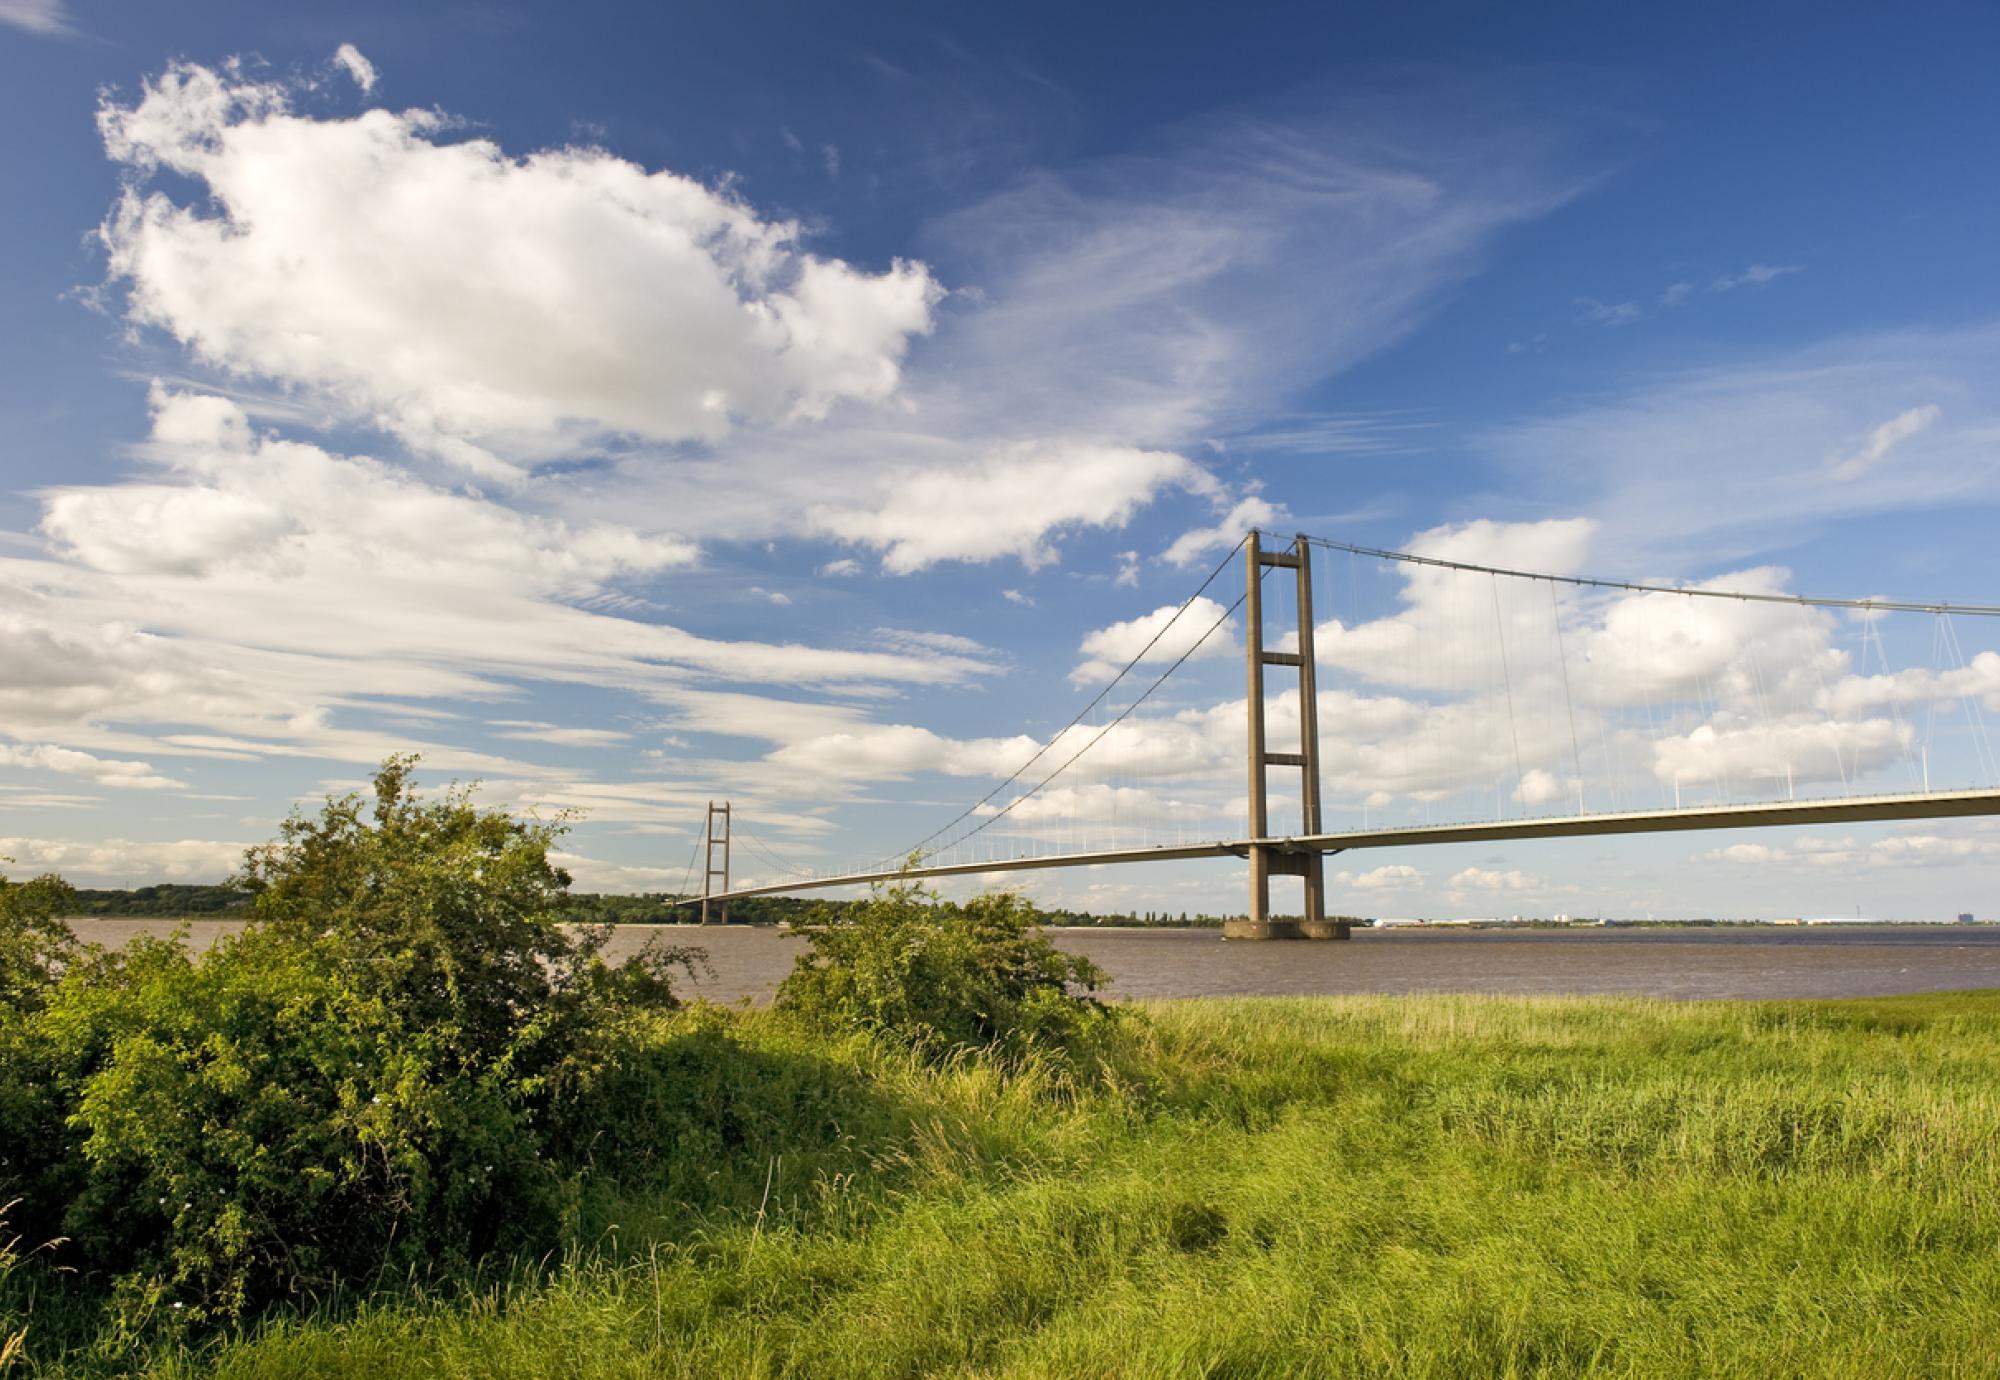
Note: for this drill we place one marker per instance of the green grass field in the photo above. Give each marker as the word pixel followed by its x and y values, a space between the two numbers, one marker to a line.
pixel 1438 1186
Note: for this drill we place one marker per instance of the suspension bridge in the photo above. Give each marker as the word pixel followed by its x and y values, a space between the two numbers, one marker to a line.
pixel 1464 702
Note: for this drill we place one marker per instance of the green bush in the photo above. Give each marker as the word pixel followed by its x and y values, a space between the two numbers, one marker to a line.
pixel 939 976
pixel 375 1075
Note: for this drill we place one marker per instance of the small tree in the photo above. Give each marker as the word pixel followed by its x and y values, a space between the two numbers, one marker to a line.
pixel 939 976
pixel 449 913
pixel 35 941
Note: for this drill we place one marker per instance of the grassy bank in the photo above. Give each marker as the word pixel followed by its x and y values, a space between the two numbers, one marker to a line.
pixel 1433 1186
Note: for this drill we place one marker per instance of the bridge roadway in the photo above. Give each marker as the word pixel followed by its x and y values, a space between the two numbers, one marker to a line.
pixel 1839 810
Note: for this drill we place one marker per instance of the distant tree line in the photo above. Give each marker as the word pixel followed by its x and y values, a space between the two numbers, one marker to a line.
pixel 590 908
pixel 668 908
pixel 1199 920
pixel 166 899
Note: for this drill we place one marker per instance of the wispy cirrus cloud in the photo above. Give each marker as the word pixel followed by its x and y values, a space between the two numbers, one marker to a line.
pixel 1591 312
pixel 1710 464
pixel 1883 439
pixel 50 18
pixel 1142 305
pixel 1754 276
pixel 349 59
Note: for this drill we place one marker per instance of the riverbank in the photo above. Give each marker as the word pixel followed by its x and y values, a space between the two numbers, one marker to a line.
pixel 1435 1186
pixel 746 963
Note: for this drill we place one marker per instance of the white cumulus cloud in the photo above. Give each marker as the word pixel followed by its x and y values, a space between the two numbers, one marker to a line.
pixel 1009 504
pixel 1491 879
pixel 124 862
pixel 1192 545
pixel 488 308
pixel 1201 632
pixel 1387 877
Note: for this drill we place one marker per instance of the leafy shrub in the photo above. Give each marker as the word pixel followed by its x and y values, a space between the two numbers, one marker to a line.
pixel 369 1077
pixel 939 976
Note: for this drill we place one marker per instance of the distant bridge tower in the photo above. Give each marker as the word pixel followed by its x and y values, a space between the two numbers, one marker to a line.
pixel 1265 859
pixel 709 870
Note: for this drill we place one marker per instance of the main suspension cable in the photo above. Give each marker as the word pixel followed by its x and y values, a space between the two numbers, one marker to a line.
pixel 1081 714
pixel 688 878
pixel 1893 605
pixel 793 868
pixel 1123 714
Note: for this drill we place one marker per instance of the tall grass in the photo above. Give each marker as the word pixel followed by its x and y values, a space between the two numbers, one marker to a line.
pixel 1430 1186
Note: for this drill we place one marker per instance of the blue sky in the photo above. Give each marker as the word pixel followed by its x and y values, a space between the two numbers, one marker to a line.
pixel 628 406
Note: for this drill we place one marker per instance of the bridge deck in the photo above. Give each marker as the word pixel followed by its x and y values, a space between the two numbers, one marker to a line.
pixel 1846 809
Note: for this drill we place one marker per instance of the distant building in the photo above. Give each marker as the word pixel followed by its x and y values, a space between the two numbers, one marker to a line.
pixel 1965 917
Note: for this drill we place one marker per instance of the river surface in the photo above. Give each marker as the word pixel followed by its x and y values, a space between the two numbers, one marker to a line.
pixel 1760 961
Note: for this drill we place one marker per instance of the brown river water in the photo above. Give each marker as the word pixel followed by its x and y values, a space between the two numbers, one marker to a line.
pixel 1761 961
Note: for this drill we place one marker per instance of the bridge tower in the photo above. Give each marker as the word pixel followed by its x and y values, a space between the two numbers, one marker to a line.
pixel 709 870
pixel 1265 858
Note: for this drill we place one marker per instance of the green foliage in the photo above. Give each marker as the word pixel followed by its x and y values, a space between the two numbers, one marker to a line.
pixel 260 1122
pixel 383 1072
pixel 34 940
pixel 449 914
pixel 35 948
pixel 939 977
